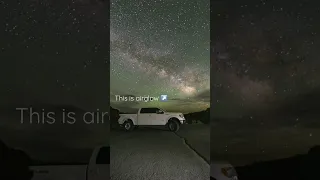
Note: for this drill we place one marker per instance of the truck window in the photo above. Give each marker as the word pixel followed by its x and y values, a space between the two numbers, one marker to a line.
pixel 144 110
pixel 154 110
pixel 148 110
pixel 103 156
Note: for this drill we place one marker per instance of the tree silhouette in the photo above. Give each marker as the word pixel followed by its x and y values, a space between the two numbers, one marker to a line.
pixel 14 164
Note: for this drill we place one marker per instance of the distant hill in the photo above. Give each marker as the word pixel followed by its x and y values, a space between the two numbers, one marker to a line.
pixel 57 107
pixel 14 110
pixel 301 110
pixel 203 116
pixel 299 167
pixel 303 104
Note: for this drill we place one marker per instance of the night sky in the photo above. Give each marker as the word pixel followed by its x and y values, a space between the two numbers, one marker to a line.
pixel 161 47
pixel 265 78
pixel 54 54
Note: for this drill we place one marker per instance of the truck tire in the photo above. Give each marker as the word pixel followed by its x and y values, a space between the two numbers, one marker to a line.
pixel 128 125
pixel 173 125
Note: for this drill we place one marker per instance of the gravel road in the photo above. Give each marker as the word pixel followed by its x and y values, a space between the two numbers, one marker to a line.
pixel 154 154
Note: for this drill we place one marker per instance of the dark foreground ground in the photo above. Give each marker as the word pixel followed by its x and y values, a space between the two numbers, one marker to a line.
pixel 267 152
pixel 154 154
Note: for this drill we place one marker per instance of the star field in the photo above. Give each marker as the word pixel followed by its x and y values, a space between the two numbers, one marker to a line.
pixel 160 47
pixel 265 78
pixel 267 50
pixel 54 56
pixel 53 51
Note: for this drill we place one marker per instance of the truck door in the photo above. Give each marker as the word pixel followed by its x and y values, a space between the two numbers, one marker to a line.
pixel 159 117
pixel 99 166
pixel 152 116
pixel 144 116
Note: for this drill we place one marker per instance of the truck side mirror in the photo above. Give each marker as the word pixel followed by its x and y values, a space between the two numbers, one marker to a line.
pixel 160 112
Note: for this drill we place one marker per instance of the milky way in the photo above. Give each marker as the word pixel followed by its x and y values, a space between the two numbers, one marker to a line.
pixel 265 79
pixel 161 47
pixel 264 57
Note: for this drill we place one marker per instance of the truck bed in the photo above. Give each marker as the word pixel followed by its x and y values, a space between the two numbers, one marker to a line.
pixel 127 116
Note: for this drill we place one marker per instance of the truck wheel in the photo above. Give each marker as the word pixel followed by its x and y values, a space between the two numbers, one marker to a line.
pixel 173 125
pixel 128 125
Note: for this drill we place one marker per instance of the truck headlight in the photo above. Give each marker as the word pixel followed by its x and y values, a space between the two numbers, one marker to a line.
pixel 181 115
